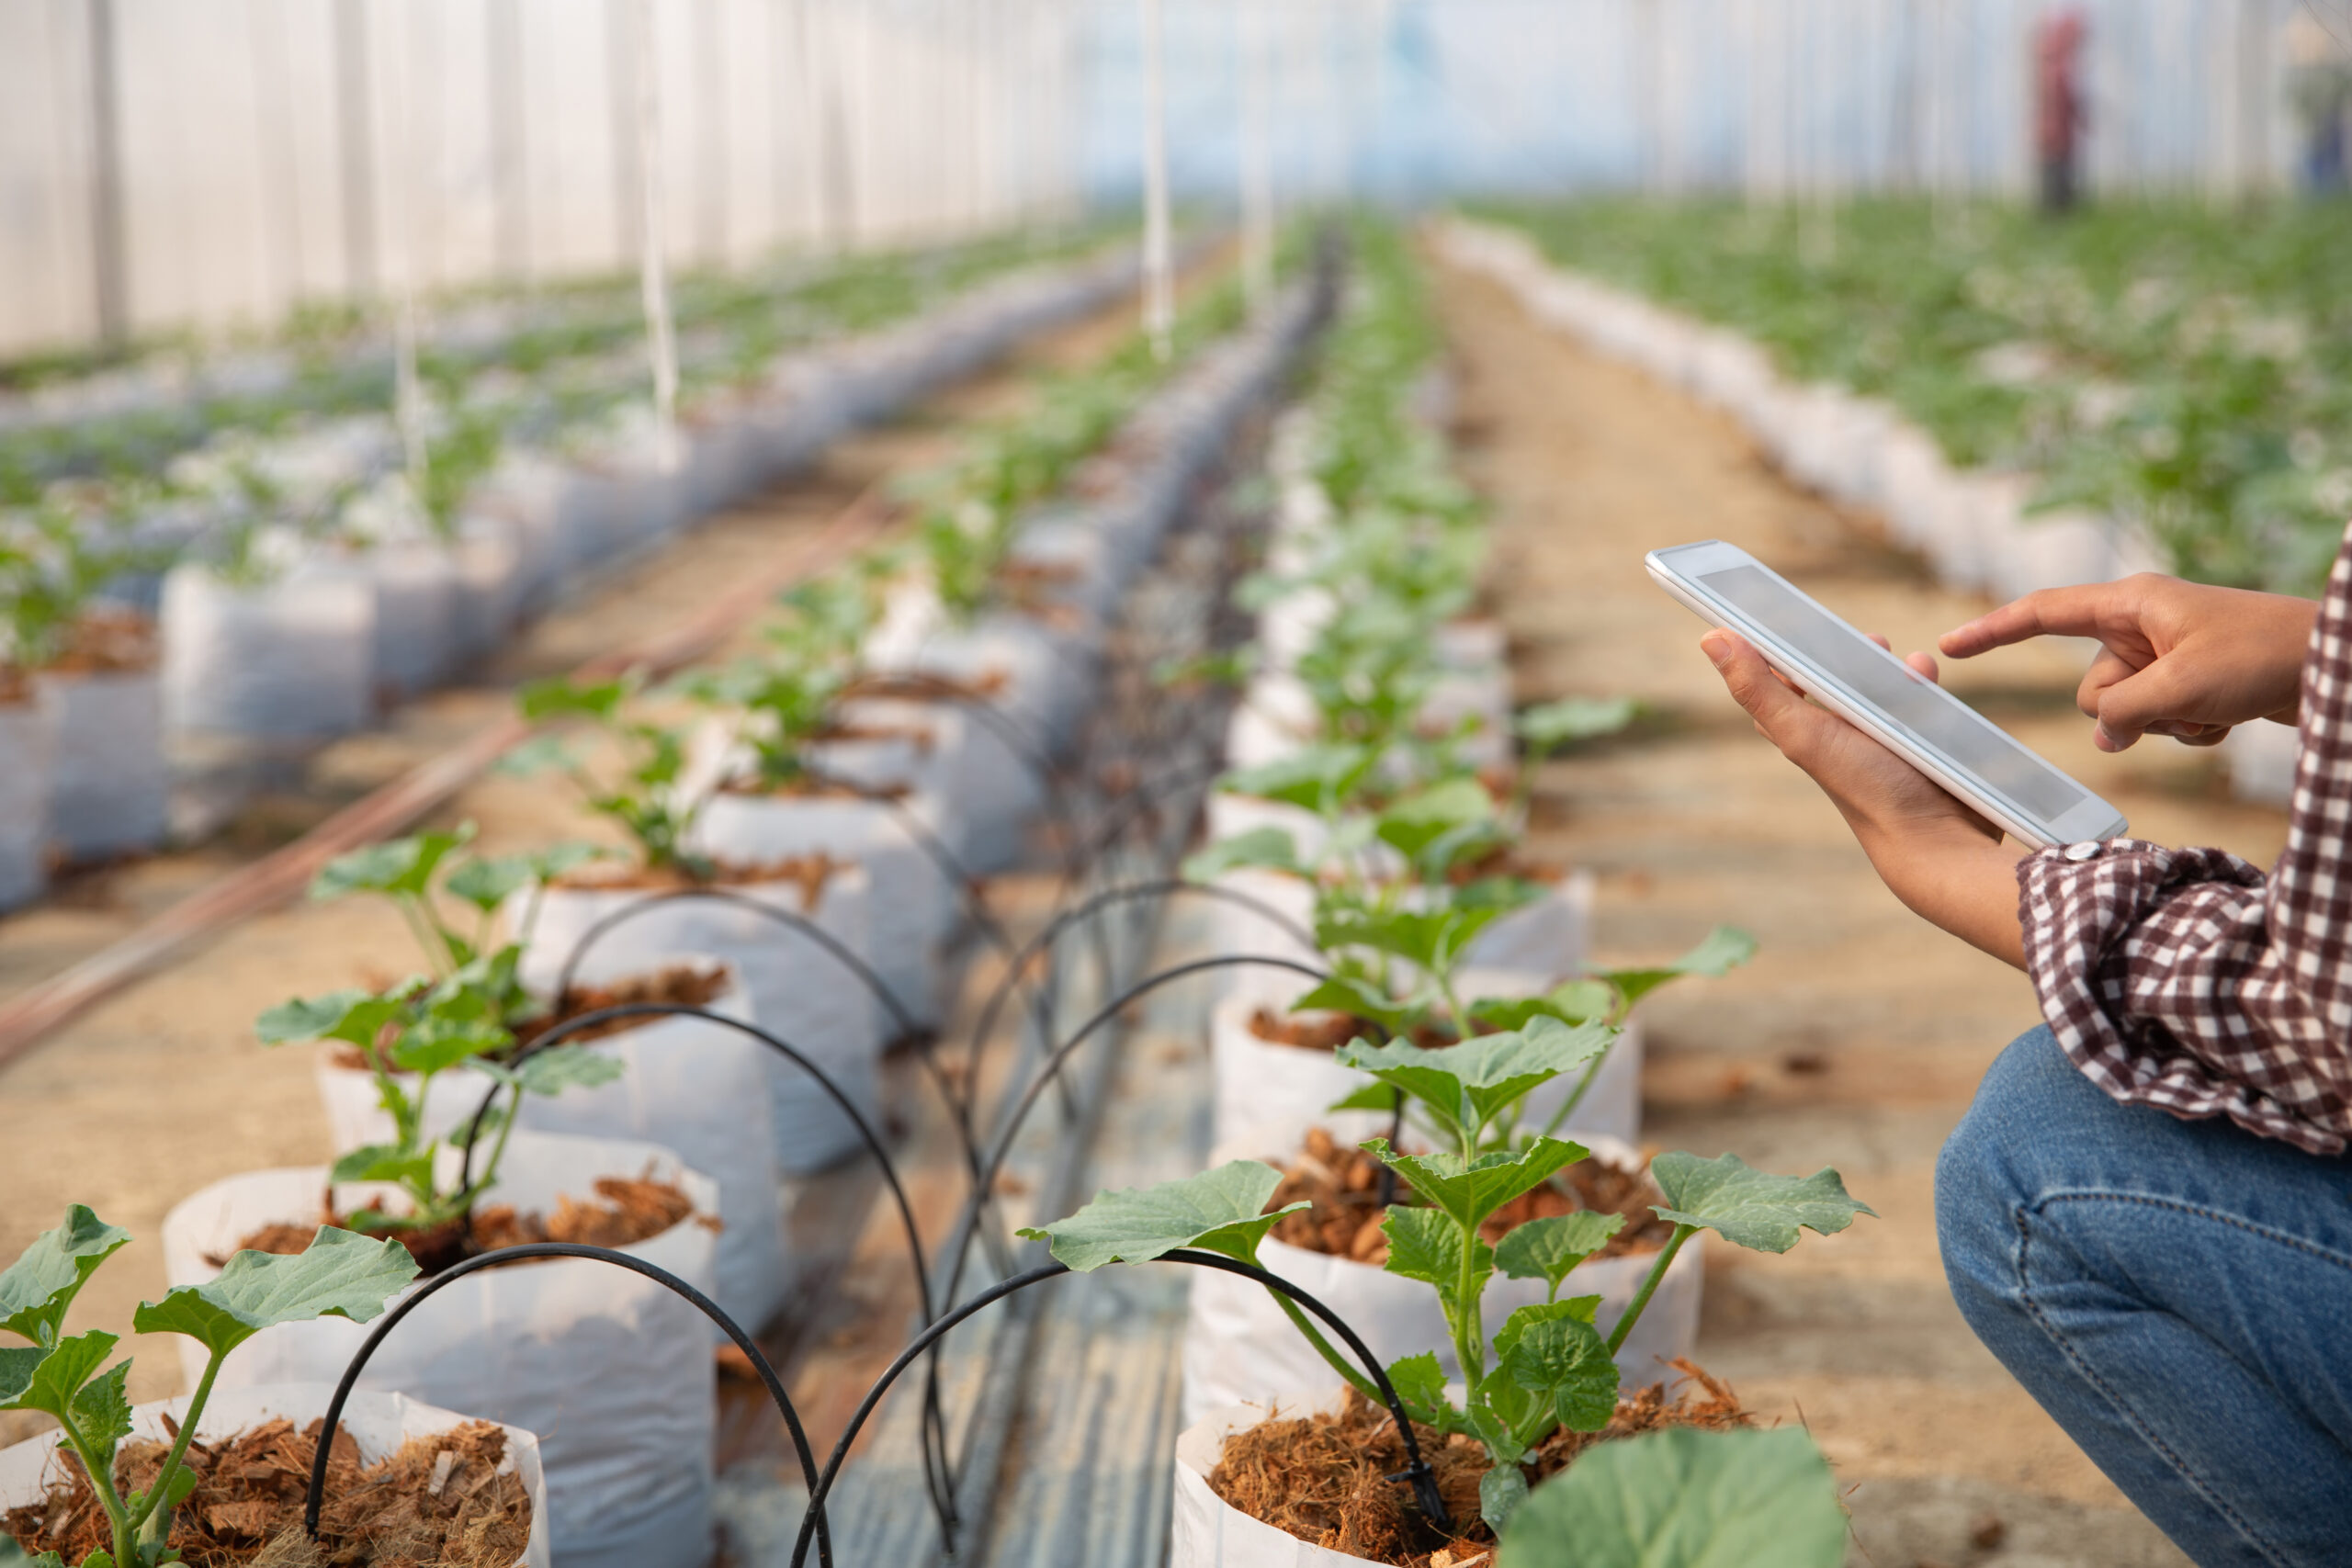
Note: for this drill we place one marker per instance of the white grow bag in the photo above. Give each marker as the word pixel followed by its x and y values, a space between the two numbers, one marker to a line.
pixel 913 904
pixel 611 1368
pixel 800 993
pixel 110 789
pixel 378 1423
pixel 416 585
pixel 1209 1532
pixel 27 756
pixel 1260 1082
pixel 293 658
pixel 1239 1345
pixel 686 1084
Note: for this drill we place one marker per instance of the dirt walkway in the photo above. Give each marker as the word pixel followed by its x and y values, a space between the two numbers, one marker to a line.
pixel 163 1089
pixel 1857 1035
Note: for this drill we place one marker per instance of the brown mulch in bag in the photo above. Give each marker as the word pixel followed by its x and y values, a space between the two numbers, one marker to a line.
pixel 1323 1478
pixel 108 641
pixel 1308 1030
pixel 811 872
pixel 682 985
pixel 439 1502
pixel 1343 1183
pixel 633 1209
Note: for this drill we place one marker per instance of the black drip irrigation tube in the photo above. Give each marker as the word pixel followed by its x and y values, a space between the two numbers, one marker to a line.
pixel 1417 1473
pixel 937 1472
pixel 813 1520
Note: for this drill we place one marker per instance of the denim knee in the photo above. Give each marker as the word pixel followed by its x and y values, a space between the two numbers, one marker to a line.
pixel 1996 1163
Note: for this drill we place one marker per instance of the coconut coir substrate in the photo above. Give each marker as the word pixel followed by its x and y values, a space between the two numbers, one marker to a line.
pixel 1343 1185
pixel 1325 1478
pixel 634 1209
pixel 439 1502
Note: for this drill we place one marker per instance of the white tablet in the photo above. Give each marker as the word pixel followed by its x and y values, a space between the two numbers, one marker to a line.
pixel 1852 676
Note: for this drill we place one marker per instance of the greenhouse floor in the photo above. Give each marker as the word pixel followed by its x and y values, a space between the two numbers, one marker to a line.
pixel 1856 1036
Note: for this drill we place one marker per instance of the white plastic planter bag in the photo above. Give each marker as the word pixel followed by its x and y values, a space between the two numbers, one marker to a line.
pixel 378 1423
pixel 913 903
pixel 800 993
pixel 488 555
pixel 612 1370
pixel 685 1084
pixel 416 612
pixel 290 659
pixel 1238 930
pixel 1209 1532
pixel 27 756
pixel 111 789
pixel 1239 1345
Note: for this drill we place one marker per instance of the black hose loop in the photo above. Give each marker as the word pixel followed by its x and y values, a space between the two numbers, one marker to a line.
pixel 316 1496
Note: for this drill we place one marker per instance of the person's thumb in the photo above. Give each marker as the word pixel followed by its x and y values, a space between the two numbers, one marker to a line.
pixel 2152 698
pixel 1753 685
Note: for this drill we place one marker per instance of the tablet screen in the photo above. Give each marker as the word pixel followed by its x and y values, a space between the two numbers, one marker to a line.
pixel 1906 700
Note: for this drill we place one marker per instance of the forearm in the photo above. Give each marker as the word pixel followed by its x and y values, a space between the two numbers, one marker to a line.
pixel 1959 880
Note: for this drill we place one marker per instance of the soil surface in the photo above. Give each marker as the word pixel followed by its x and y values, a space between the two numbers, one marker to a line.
pixel 438 1503
pixel 632 1210
pixel 1325 1477
pixel 1856 1035
pixel 1343 1184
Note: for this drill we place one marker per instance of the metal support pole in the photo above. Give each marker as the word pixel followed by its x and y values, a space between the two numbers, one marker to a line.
pixel 510 186
pixel 356 140
pixel 1158 279
pixel 653 274
pixel 1256 161
pixel 109 271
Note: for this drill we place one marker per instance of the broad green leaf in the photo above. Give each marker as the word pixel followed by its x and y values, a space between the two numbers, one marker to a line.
pixel 1412 824
pixel 1426 1245
pixel 487 884
pixel 560 698
pixel 439 1040
pixel 1468 1085
pixel 1272 849
pixel 1725 949
pixel 38 1288
pixel 339 1275
pixel 1752 1208
pixel 1470 1192
pixel 384 1161
pixel 13 1556
pixel 1563 1358
pixel 1572 1002
pixel 1685 1498
pixel 1547 727
pixel 395 866
pixel 1319 778
pixel 1374 1095
pixel 354 1016
pixel 559 1067
pixel 1502 1492
pixel 1581 1308
pixel 1419 1381
pixel 1548 1247
pixel 48 1378
pixel 1217 1211
pixel 1359 998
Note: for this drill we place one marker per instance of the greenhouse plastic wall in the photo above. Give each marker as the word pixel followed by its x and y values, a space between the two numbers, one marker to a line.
pixel 268 150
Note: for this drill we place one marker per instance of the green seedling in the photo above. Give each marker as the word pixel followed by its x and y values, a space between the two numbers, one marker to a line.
pixel 1548 1366
pixel 646 801
pixel 338 1275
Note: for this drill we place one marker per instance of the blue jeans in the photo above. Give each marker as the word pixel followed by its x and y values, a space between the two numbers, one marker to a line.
pixel 2177 1294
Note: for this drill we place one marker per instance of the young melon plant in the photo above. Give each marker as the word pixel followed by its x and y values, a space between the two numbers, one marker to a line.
pixel 1548 1366
pixel 338 1275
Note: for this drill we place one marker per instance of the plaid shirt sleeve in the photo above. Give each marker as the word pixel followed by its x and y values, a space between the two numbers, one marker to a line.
pixel 2185 980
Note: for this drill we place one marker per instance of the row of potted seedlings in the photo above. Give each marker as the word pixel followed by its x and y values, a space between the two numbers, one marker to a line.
pixel 1426 1107
pixel 1981 528
pixel 580 1018
pixel 281 580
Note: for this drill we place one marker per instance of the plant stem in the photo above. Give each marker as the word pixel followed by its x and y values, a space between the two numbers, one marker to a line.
pixel 1469 1332
pixel 1649 1286
pixel 1323 1347
pixel 102 1482
pixel 154 1507
pixel 437 952
pixel 1576 1097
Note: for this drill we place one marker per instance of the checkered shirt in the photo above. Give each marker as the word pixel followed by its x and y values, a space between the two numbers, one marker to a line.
pixel 2185 979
